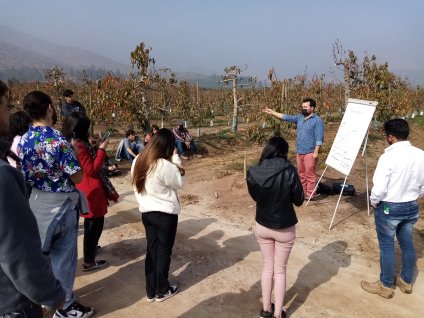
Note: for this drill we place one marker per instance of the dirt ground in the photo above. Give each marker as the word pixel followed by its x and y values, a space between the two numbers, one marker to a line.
pixel 216 260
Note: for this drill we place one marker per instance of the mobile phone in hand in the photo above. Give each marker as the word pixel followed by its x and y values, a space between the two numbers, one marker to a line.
pixel 106 135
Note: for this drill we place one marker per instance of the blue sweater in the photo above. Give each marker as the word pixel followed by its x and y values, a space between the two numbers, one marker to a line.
pixel 25 273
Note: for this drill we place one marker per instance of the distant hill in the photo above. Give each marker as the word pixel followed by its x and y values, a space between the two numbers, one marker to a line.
pixel 416 77
pixel 209 81
pixel 205 81
pixel 24 57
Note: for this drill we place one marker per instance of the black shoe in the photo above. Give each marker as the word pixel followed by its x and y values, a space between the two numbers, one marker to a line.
pixel 96 265
pixel 267 314
pixel 172 290
pixel 76 310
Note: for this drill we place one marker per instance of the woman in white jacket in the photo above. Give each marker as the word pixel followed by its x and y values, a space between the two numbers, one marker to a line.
pixel 156 177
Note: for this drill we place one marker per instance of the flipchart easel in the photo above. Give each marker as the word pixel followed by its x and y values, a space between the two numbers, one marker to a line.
pixel 353 128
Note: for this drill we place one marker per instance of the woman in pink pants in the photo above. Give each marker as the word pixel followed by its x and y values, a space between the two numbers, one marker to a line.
pixel 275 186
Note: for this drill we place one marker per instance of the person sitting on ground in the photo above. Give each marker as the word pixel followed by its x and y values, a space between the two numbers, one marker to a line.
pixel 94 185
pixel 111 169
pixel 18 125
pixel 184 141
pixel 149 135
pixel 70 105
pixel 129 147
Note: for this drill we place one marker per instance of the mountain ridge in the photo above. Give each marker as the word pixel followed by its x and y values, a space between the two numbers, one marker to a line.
pixel 25 57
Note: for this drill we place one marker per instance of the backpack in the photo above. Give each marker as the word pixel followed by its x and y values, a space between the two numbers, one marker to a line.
pixel 324 189
pixel 348 189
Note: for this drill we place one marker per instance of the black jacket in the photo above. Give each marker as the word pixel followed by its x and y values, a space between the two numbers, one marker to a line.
pixel 75 107
pixel 275 186
pixel 25 273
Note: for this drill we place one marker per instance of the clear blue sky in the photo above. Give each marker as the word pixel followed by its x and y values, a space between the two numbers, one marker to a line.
pixel 206 36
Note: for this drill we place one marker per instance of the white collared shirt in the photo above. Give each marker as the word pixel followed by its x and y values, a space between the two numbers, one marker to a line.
pixel 399 176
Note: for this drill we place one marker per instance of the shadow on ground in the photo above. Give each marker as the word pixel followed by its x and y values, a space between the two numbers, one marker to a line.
pixel 238 304
pixel 203 256
pixel 323 265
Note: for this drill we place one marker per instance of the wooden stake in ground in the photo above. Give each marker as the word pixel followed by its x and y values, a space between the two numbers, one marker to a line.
pixel 245 165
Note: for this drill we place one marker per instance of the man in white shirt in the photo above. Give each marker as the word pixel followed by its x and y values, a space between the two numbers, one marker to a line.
pixel 398 183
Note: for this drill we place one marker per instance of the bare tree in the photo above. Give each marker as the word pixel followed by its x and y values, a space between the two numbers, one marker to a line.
pixel 232 75
pixel 348 61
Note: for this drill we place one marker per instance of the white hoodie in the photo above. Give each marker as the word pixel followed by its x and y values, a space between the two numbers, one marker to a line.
pixel 162 183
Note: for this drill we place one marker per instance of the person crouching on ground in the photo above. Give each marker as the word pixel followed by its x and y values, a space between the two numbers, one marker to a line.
pixel 94 184
pixel 184 141
pixel 156 177
pixel 275 186
pixel 129 147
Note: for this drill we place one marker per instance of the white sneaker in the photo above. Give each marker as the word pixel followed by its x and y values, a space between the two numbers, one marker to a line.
pixel 76 310
pixel 151 299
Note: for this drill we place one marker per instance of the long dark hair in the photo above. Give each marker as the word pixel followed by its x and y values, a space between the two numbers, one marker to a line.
pixel 276 147
pixel 161 145
pixel 18 124
pixel 76 125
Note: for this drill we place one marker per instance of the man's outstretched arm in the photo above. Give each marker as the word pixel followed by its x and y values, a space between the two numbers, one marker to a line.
pixel 273 112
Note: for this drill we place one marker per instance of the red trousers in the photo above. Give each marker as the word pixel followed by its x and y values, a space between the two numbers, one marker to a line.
pixel 306 167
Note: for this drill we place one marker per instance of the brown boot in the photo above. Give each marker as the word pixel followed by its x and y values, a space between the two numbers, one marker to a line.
pixel 403 286
pixel 377 288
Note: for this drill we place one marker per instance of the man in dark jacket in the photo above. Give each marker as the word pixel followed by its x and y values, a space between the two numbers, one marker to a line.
pixel 70 105
pixel 26 278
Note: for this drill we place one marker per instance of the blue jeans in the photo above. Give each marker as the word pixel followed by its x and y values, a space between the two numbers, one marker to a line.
pixel 396 219
pixel 182 148
pixel 136 147
pixel 63 253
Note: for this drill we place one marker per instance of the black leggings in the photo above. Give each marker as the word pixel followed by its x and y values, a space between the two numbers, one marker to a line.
pixel 93 228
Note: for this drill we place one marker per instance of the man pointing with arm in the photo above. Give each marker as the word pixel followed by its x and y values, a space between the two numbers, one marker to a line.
pixel 309 138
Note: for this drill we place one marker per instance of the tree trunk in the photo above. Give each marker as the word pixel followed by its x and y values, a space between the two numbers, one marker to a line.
pixel 235 109
pixel 346 86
